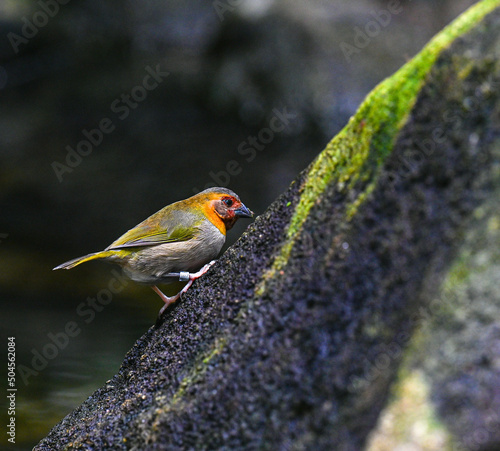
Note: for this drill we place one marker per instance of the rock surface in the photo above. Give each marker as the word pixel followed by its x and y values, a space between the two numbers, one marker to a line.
pixel 293 338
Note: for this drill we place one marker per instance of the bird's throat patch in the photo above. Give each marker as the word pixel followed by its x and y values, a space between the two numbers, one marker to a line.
pixel 214 218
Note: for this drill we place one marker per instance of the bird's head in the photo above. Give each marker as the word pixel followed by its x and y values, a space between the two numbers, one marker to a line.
pixel 222 204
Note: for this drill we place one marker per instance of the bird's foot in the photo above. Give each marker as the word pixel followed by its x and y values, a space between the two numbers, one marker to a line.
pixel 195 275
pixel 166 299
pixel 183 276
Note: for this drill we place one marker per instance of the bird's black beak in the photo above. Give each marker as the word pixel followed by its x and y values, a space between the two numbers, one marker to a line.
pixel 243 212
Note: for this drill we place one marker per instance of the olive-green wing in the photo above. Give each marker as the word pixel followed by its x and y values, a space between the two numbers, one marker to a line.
pixel 165 226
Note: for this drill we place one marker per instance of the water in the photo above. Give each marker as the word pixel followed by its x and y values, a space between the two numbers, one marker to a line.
pixel 49 389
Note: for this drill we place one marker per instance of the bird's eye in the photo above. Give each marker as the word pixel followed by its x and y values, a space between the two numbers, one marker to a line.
pixel 228 202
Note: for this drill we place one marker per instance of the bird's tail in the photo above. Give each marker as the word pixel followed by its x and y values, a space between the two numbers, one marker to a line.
pixel 76 261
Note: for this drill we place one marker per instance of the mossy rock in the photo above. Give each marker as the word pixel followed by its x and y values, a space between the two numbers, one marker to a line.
pixel 293 338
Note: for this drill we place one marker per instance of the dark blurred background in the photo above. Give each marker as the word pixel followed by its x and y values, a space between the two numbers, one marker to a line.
pixel 67 66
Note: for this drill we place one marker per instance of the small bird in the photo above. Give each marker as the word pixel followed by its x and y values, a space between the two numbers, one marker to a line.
pixel 179 242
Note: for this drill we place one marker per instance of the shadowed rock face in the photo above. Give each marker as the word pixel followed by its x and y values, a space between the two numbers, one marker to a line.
pixel 293 338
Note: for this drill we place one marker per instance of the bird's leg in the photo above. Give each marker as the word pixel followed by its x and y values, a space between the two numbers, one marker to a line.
pixel 183 276
pixel 195 275
pixel 164 298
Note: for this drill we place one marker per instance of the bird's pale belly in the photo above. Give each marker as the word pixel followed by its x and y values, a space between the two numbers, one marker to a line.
pixel 151 265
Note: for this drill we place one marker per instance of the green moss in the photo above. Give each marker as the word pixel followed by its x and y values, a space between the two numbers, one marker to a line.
pixel 469 264
pixel 215 350
pixel 197 371
pixel 371 132
pixel 410 418
pixel 464 70
pixel 352 208
pixel 494 223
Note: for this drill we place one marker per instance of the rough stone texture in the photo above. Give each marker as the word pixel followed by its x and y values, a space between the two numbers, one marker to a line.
pixel 303 357
pixel 459 344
